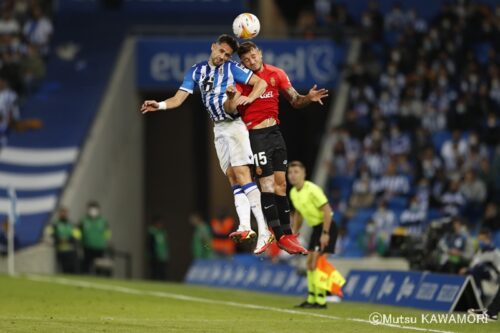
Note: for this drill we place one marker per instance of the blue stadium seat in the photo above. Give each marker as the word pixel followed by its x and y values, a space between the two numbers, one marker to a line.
pixel 397 203
pixel 496 239
pixel 439 138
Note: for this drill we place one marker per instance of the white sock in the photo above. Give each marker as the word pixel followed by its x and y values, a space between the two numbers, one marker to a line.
pixel 242 207
pixel 253 194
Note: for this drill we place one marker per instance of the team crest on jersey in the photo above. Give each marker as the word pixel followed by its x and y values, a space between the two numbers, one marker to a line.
pixel 272 81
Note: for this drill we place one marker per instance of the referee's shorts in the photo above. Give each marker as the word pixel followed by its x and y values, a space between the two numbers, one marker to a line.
pixel 314 244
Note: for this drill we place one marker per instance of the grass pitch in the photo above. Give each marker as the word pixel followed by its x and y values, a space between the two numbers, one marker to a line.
pixel 83 304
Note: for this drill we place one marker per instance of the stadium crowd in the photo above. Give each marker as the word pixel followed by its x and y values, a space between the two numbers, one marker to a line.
pixel 420 139
pixel 25 33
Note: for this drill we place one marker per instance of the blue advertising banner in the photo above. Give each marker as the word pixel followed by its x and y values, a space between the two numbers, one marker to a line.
pixel 439 292
pixel 162 62
pixel 247 272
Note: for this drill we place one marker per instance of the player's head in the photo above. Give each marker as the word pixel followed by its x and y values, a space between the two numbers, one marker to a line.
pixel 250 56
pixel 296 173
pixel 223 49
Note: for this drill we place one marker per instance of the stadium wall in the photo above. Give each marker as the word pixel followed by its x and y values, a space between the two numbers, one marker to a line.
pixel 110 166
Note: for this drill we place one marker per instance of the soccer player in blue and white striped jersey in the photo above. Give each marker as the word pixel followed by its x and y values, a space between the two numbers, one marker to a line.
pixel 232 143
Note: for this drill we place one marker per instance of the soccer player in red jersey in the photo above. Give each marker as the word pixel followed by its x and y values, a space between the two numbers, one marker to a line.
pixel 268 146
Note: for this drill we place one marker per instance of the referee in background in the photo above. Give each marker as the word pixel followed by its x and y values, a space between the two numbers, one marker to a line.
pixel 311 204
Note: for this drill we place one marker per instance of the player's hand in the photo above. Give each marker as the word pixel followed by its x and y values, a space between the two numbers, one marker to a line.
pixel 315 95
pixel 149 106
pixel 243 100
pixel 231 92
pixel 323 241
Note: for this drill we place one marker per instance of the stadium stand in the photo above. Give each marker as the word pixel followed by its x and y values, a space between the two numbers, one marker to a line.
pixel 423 107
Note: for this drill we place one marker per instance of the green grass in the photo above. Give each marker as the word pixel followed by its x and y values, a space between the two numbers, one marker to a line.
pixel 43 305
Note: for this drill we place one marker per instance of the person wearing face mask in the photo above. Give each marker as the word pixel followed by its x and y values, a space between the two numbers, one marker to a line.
pixel 66 238
pixel 95 236
pixel 485 265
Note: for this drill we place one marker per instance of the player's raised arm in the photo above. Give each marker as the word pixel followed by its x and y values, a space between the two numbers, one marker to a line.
pixel 259 87
pixel 299 101
pixel 170 103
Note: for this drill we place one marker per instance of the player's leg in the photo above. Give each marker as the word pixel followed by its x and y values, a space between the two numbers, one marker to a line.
pixel 250 189
pixel 282 203
pixel 242 206
pixel 270 209
pixel 279 167
pixel 240 153
pixel 262 149
pixel 241 203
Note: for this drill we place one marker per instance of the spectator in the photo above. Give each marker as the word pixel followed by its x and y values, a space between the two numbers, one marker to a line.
pixel 392 184
pixel 454 151
pixel 453 201
pixel 362 192
pixel 202 238
pixel 158 249
pixel 385 222
pixel 485 264
pixel 9 111
pixel 429 164
pixel 32 68
pixel 38 30
pixel 8 24
pixel 453 248
pixel 491 220
pixel 473 189
pixel 66 239
pixel 95 236
pixel 413 218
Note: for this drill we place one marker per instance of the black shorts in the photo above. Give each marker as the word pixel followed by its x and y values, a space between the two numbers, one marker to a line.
pixel 269 150
pixel 314 244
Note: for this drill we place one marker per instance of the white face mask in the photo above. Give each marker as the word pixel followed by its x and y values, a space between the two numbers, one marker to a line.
pixel 93 212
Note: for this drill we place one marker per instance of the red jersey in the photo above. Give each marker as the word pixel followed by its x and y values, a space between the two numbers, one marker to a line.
pixel 266 106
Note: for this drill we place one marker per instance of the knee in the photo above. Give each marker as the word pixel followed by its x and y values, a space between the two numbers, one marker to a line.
pixel 267 184
pixel 280 187
pixel 231 176
pixel 242 175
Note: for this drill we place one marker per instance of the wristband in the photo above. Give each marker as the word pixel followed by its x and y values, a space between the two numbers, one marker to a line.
pixel 162 105
pixel 326 232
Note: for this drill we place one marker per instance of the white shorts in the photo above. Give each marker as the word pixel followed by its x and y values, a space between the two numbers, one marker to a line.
pixel 232 144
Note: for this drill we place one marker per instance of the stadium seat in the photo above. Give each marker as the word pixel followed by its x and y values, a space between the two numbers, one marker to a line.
pixel 439 138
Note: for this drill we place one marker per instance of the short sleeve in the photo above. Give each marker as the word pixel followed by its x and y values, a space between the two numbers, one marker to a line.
pixel 318 197
pixel 188 83
pixel 284 81
pixel 240 73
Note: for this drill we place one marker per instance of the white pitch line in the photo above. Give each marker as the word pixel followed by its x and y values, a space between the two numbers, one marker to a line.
pixel 162 294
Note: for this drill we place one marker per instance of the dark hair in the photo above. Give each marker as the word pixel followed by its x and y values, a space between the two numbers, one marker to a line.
pixel 229 40
pixel 93 203
pixel 485 231
pixel 246 47
pixel 297 164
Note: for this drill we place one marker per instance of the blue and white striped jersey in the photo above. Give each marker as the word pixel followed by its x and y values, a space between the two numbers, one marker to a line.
pixel 213 82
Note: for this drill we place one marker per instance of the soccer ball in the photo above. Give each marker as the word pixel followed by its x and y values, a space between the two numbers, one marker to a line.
pixel 246 26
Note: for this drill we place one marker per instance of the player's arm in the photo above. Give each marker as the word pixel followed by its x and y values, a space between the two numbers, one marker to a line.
pixel 230 105
pixel 327 223
pixel 297 220
pixel 170 103
pixel 259 87
pixel 299 101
